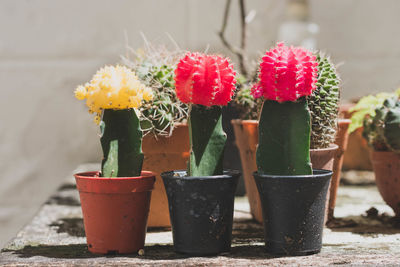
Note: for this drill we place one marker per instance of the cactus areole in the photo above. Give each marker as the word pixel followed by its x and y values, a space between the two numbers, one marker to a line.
pixel 116 93
pixel 287 75
pixel 206 82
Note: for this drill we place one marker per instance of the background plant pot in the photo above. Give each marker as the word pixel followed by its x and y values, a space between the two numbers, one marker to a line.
pixel 293 211
pixel 387 176
pixel 342 137
pixel 162 154
pixel 115 211
pixel 201 210
pixel 356 153
pixel 246 136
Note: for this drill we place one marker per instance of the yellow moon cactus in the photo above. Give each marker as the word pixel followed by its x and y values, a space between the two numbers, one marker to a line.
pixel 113 87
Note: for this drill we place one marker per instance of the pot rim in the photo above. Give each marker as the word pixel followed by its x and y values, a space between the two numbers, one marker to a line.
pixel 240 121
pixel 228 174
pixel 317 173
pixel 94 175
pixel 332 147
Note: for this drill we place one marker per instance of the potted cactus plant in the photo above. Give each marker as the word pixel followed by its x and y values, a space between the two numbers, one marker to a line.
pixel 201 198
pixel 115 202
pixel 328 133
pixel 162 119
pixel 292 194
pixel 382 132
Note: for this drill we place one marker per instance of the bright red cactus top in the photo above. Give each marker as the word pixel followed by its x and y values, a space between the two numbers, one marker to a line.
pixel 204 79
pixel 286 73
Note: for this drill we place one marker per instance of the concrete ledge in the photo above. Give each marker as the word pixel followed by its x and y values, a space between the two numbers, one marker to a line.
pixel 55 237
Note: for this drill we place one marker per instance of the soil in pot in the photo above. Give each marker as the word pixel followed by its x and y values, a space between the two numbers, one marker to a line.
pixel 293 211
pixel 201 210
pixel 387 176
pixel 161 154
pixel 115 211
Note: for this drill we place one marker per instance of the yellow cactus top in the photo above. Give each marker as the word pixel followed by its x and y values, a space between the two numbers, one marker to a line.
pixel 113 88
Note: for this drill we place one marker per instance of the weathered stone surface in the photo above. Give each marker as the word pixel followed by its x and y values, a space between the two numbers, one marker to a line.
pixel 55 237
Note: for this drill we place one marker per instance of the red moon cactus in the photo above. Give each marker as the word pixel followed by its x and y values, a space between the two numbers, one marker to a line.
pixel 286 73
pixel 204 79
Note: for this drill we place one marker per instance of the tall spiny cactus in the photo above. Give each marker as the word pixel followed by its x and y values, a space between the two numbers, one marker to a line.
pixel 287 75
pixel 324 104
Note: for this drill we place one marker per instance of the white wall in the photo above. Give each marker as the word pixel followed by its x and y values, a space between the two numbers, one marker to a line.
pixel 48 47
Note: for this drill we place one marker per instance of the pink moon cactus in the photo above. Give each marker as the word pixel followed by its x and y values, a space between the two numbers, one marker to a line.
pixel 286 74
pixel 206 80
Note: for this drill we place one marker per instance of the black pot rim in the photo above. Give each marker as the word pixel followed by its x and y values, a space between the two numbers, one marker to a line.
pixel 317 173
pixel 228 174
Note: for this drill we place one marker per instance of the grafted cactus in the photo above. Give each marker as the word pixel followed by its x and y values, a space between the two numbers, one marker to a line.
pixel 117 92
pixel 287 75
pixel 206 82
pixel 324 104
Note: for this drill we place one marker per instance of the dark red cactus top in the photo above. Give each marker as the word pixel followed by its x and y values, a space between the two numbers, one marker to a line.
pixel 204 79
pixel 286 73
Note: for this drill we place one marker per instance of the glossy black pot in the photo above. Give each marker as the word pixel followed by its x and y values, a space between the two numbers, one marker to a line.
pixel 201 211
pixel 293 211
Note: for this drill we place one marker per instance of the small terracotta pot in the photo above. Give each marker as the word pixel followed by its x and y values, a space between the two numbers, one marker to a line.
pixel 162 154
pixel 115 211
pixel 387 176
pixel 246 138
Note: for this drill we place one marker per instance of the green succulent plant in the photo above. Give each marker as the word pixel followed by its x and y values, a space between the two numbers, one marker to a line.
pixel 324 104
pixel 248 107
pixel 366 107
pixel 382 130
pixel 155 66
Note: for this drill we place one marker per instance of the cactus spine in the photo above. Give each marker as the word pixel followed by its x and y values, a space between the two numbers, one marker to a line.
pixel 324 104
pixel 121 141
pixel 207 140
pixel 284 138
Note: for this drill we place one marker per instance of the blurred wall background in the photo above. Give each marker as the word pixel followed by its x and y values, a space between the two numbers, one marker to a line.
pixel 48 47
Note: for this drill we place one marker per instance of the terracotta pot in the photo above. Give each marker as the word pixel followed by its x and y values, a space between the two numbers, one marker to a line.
pixel 387 176
pixel 163 154
pixel 342 137
pixel 246 139
pixel 356 156
pixel 115 211
pixel 246 134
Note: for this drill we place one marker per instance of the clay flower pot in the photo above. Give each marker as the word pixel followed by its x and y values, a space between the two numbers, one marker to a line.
pixel 246 138
pixel 115 211
pixel 162 154
pixel 201 210
pixel 387 176
pixel 293 211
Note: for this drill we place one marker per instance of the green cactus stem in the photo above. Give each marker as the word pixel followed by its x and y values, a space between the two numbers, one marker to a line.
pixel 121 140
pixel 284 138
pixel 207 140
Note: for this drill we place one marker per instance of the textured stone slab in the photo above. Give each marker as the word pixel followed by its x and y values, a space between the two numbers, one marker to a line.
pixel 55 237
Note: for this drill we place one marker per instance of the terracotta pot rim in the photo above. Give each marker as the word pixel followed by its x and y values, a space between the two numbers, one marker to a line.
pixel 330 148
pixel 94 175
pixel 228 174
pixel 240 121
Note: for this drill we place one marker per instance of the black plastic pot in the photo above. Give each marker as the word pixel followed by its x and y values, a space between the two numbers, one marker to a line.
pixel 293 211
pixel 201 211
